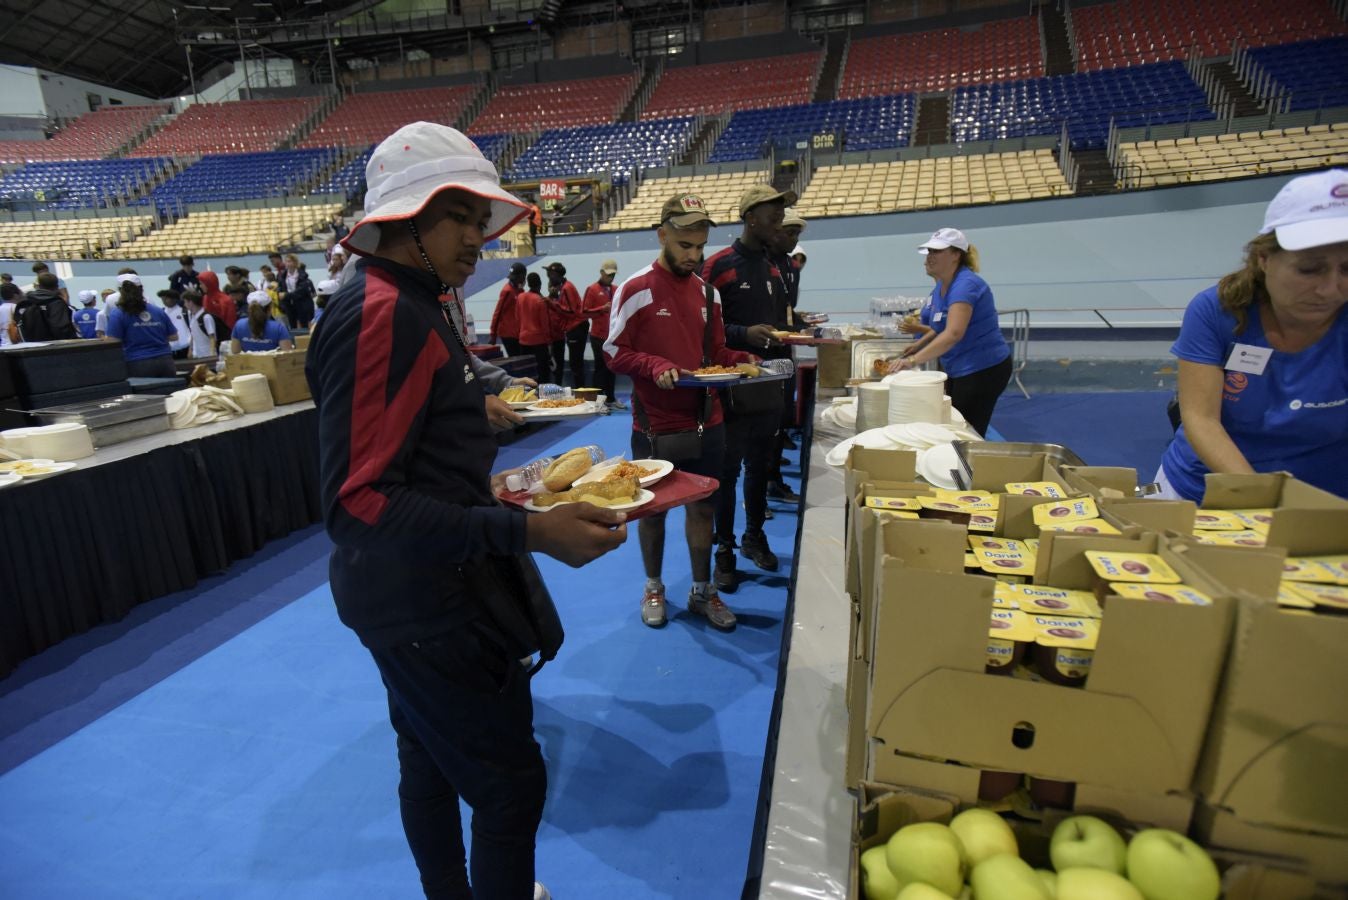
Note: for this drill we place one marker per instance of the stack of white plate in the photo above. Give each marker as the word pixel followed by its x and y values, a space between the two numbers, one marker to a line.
pixel 872 406
pixel 947 411
pixel 874 439
pixel 915 397
pixel 60 442
pixel 252 392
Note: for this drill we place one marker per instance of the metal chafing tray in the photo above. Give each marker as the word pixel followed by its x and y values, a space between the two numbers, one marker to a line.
pixel 865 353
pixel 114 419
pixel 966 451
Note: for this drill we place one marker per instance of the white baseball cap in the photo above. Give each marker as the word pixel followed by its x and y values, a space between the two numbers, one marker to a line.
pixel 88 296
pixel 1310 211
pixel 259 298
pixel 327 287
pixel 417 162
pixel 943 239
pixel 128 277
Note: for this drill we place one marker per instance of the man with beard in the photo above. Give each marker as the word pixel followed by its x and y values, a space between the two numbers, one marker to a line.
pixel 667 321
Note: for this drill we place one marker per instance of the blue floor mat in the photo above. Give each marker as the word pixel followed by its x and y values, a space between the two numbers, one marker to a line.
pixel 260 763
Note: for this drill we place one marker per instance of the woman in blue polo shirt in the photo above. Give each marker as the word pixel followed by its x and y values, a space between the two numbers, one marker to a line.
pixel 1263 355
pixel 144 330
pixel 962 330
pixel 260 332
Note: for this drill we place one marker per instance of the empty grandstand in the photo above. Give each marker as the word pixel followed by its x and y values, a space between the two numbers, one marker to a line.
pixel 1135 32
pixel 710 90
pixel 243 126
pixel 1138 95
pixel 617 150
pixel 719 191
pixel 75 184
pixel 944 59
pixel 368 118
pixel 561 104
pixel 91 136
pixel 243 176
pixel 1305 75
pixel 869 123
pixel 1213 157
pixel 69 238
pixel 234 231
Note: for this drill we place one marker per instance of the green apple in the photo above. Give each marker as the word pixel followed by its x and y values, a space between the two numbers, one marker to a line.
pixel 877 882
pixel 1050 880
pixel 984 834
pixel 1094 884
pixel 1085 842
pixel 928 852
pixel 1165 865
pixel 919 891
pixel 1006 877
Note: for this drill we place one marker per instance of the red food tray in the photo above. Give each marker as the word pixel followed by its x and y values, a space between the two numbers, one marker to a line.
pixel 675 489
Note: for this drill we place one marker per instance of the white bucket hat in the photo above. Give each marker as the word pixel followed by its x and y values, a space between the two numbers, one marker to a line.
pixel 259 298
pixel 943 239
pixel 327 287
pixel 417 162
pixel 1310 211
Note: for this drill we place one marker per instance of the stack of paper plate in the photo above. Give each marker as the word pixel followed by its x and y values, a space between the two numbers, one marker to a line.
pixel 61 442
pixel 872 406
pixel 915 396
pixel 252 392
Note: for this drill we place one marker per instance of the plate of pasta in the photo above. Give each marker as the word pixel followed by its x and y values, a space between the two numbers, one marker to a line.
pixel 647 471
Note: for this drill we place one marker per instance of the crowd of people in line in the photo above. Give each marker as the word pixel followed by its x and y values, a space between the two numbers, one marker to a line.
pixel 196 317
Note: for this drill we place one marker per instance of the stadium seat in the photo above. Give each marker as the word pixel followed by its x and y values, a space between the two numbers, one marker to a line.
pixel 870 123
pixel 930 61
pixel 718 88
pixel 554 104
pixel 618 149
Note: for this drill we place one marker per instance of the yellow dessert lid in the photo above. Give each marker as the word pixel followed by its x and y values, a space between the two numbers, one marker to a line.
pixel 1064 631
pixel 1050 489
pixel 1113 565
pixel 1062 511
pixel 1169 593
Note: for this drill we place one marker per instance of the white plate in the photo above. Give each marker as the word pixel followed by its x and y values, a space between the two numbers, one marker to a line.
pixel 723 376
pixel 8 467
pixel 643 497
pixel 935 465
pixel 660 468
pixel 519 404
pixel 49 470
pixel 9 478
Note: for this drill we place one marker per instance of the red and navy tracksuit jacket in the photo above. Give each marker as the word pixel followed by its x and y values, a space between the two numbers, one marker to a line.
pixel 752 293
pixel 405 457
pixel 657 323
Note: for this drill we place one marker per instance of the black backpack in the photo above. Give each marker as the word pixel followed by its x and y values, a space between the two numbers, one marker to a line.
pixel 50 321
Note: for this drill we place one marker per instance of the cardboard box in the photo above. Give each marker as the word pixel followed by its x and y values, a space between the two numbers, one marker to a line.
pixel 882 810
pixel 1138 723
pixel 284 370
pixel 1323 857
pixel 1277 751
pixel 302 341
pixel 1274 490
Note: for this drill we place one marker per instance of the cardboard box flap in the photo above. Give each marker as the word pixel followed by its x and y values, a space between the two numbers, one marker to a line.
pixel 993 472
pixel 1248 572
pixel 1156 515
pixel 1289 775
pixel 1075 733
pixel 883 810
pixel 1309 532
pixel 882 465
pixel 1101 481
pixel 1265 491
pixel 1326 858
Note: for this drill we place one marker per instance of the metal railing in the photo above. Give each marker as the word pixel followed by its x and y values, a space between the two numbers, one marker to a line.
pixel 1020 344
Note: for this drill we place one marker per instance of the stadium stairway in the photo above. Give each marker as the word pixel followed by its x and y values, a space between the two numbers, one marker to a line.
pixel 651 70
pixel 1095 174
pixel 700 146
pixel 932 125
pixel 1057 46
pixel 835 54
pixel 1245 104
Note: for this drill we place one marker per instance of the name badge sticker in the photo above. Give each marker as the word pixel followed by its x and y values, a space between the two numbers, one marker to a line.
pixel 1248 358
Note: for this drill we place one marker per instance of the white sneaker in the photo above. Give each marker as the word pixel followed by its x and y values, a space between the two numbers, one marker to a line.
pixel 540 892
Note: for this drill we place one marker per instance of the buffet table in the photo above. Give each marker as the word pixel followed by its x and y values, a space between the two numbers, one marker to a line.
pixel 148 517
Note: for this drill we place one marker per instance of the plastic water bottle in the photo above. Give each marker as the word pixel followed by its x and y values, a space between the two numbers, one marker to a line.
pixel 531 475
pixel 553 392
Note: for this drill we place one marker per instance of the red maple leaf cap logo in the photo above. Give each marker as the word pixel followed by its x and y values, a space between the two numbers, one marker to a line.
pixel 692 203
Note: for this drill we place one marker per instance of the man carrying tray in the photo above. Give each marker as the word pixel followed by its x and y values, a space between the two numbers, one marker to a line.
pixel 667 321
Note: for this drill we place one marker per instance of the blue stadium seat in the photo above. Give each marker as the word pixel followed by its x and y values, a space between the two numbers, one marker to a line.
pixel 243 176
pixel 1134 96
pixel 868 123
pixel 349 180
pixel 1314 72
pixel 77 184
pixel 619 148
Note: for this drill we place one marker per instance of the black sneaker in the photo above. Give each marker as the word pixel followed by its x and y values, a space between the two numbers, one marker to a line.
pixel 724 576
pixel 780 490
pixel 754 547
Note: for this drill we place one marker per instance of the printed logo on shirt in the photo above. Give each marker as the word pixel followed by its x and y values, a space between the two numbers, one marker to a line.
pixel 744 285
pixel 1328 404
pixel 468 374
pixel 1236 382
pixel 664 312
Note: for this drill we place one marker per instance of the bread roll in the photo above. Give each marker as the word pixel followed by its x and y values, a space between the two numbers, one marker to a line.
pixel 566 468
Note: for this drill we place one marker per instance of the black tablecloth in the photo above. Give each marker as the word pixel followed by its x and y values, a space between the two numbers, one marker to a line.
pixel 83 548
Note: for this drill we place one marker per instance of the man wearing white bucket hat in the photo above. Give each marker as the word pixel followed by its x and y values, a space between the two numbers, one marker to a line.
pixel 1263 354
pixel 427 564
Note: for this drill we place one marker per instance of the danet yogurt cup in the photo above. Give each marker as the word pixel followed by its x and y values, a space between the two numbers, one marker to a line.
pixel 1064 647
